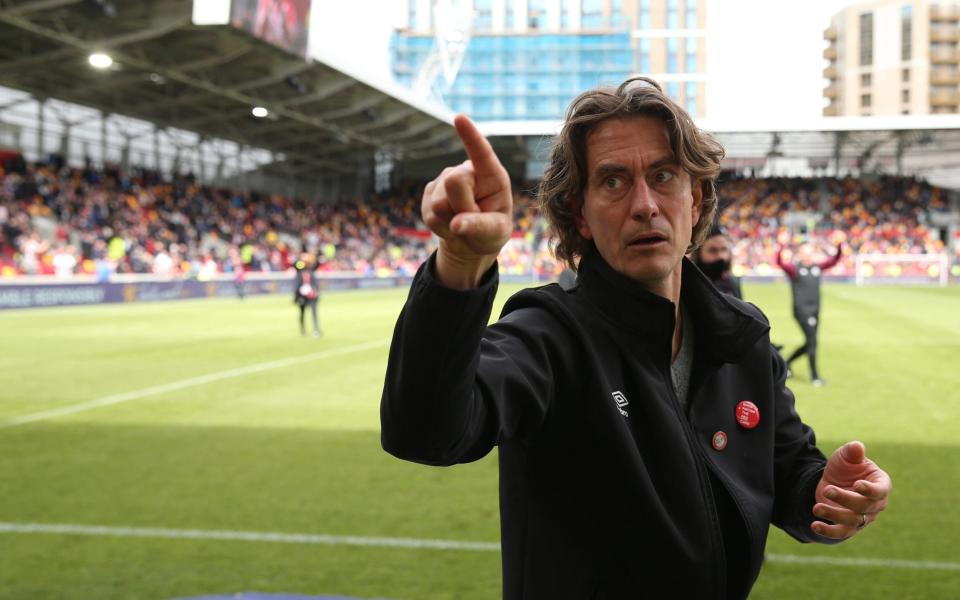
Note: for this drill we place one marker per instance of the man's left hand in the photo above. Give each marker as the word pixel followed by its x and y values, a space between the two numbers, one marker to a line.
pixel 851 494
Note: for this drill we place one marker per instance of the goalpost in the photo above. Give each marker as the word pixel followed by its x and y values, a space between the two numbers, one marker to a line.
pixel 902 269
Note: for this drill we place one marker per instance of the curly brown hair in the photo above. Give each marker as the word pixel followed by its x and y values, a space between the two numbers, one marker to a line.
pixel 560 193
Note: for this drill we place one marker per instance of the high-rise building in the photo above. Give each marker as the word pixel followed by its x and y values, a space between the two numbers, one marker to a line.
pixel 527 59
pixel 894 57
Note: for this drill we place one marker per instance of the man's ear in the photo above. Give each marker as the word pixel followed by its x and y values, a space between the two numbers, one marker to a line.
pixel 582 227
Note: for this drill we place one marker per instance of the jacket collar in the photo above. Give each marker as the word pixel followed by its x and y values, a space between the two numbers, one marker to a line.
pixel 724 329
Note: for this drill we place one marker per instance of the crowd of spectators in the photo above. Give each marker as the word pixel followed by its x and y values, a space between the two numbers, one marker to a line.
pixel 57 220
pixel 868 215
pixel 112 222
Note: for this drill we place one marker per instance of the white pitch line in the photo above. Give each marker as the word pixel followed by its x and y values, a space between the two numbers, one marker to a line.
pixel 246 536
pixel 392 542
pixel 894 563
pixel 186 383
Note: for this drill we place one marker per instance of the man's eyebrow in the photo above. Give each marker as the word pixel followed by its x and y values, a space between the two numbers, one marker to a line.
pixel 606 169
pixel 668 160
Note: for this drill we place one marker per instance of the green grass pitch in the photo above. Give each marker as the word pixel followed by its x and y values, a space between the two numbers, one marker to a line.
pixel 187 436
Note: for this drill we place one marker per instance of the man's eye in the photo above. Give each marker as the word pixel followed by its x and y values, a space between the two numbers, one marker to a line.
pixel 663 176
pixel 612 183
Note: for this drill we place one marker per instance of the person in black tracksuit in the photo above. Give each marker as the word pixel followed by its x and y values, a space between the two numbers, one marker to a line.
pixel 306 291
pixel 715 258
pixel 805 277
pixel 646 436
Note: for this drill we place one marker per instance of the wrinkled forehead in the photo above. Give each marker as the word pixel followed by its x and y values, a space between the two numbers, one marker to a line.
pixel 628 139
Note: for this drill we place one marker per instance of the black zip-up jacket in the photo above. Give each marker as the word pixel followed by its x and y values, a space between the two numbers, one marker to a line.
pixel 606 489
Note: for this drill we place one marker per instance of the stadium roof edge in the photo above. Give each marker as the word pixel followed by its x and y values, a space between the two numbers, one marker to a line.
pixel 321 119
pixel 391 88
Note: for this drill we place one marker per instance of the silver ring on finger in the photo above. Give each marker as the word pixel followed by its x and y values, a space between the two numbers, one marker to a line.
pixel 863 521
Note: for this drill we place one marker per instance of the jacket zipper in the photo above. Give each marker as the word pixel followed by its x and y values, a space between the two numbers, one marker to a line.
pixel 705 485
pixel 722 477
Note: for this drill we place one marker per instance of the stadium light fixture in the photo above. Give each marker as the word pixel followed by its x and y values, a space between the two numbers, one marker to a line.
pixel 259 112
pixel 99 60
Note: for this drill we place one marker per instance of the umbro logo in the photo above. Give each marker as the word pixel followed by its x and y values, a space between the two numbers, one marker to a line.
pixel 621 401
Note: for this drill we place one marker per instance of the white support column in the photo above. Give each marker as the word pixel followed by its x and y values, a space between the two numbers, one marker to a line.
pixel 103 138
pixel 499 15
pixel 520 15
pixel 41 127
pixel 574 10
pixel 553 15
pixel 156 149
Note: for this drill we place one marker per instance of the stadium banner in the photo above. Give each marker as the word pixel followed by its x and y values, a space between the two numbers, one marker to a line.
pixel 36 294
pixel 43 291
pixel 283 23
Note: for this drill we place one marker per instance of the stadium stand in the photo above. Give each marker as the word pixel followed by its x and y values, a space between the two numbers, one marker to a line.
pixel 55 220
pixel 182 97
pixel 882 215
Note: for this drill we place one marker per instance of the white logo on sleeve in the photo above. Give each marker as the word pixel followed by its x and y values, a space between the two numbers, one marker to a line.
pixel 621 401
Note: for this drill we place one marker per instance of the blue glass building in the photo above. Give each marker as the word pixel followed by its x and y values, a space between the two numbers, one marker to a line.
pixel 520 77
pixel 529 65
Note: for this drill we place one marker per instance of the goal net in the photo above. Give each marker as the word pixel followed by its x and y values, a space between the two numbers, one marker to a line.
pixel 902 269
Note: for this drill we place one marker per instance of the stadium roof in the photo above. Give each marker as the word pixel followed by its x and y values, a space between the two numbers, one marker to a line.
pixel 206 79
pixel 923 145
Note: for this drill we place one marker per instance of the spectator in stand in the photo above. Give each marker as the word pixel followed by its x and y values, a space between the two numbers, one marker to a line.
pixel 306 291
pixel 64 262
pixel 103 266
pixel 805 275
pixel 714 257
pixel 31 249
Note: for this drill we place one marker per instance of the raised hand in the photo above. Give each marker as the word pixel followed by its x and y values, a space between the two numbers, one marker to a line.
pixel 851 494
pixel 470 207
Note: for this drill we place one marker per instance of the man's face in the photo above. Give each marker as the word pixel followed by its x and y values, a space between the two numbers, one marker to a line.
pixel 807 254
pixel 639 206
pixel 715 249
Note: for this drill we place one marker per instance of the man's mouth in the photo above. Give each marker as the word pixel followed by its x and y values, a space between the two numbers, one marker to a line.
pixel 648 239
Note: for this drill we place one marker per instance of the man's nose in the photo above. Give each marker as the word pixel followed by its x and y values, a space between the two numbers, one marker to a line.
pixel 643 202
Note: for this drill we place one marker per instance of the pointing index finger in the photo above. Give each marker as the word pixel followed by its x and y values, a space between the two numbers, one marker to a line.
pixel 479 150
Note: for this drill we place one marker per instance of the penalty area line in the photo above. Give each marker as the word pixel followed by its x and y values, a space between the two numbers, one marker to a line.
pixel 410 543
pixel 174 386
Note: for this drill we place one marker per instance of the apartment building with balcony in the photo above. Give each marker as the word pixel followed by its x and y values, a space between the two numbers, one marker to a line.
pixel 893 57
pixel 527 59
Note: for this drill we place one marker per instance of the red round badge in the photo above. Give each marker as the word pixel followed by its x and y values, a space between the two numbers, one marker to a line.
pixel 719 441
pixel 748 415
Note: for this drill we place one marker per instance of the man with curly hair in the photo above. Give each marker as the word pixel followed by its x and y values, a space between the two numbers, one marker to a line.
pixel 646 436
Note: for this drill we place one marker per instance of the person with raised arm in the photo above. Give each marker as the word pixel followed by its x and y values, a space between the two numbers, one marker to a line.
pixel 805 277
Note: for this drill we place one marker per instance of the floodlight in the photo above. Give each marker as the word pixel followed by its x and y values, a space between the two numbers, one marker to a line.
pixel 99 60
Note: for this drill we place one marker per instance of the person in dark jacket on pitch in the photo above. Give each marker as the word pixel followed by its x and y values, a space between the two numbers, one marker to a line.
pixel 646 437
pixel 805 276
pixel 306 291
pixel 715 258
